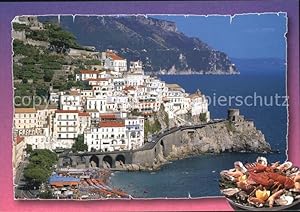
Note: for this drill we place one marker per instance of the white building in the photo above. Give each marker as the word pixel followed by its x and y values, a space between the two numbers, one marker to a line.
pixel 26 118
pixel 87 74
pixel 96 103
pixel 115 133
pixel 135 79
pixel 175 101
pixel 108 136
pixel 136 67
pixel 70 101
pixel 135 132
pixel 40 139
pixel 65 127
pixel 114 62
pixel 199 105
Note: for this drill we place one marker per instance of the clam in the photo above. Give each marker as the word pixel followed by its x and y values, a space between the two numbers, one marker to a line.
pixel 262 160
pixel 284 200
pixel 230 191
pixel 238 165
pixel 224 174
pixel 294 170
pixel 285 166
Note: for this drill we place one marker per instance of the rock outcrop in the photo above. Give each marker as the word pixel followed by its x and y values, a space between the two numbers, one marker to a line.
pixel 227 136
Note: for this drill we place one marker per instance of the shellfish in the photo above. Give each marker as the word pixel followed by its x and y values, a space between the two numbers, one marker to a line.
pixel 284 200
pixel 262 160
pixel 230 191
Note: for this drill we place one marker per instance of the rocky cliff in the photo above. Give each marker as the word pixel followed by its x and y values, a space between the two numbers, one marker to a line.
pixel 158 43
pixel 216 138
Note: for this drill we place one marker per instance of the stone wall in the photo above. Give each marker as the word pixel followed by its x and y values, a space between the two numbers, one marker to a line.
pixel 214 138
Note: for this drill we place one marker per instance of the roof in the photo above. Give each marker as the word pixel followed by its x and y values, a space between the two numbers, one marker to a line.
pixel 114 56
pixel 57 178
pixel 25 110
pixel 66 111
pixel 98 79
pixel 111 124
pixel 89 72
pixel 83 114
pixel 19 139
pixel 92 110
pixel 107 116
pixel 127 88
pixel 74 93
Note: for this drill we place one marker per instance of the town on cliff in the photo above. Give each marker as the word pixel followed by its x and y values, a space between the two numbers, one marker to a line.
pixel 117 118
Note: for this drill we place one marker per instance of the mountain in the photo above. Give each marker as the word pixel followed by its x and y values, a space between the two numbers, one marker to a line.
pixel 158 43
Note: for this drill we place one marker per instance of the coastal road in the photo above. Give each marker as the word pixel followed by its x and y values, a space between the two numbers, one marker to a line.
pixel 21 192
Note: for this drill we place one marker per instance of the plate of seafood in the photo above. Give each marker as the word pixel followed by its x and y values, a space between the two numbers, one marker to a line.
pixel 261 186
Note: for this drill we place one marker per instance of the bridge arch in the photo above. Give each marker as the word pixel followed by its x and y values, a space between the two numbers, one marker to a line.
pixel 121 158
pixel 94 159
pixel 162 145
pixel 107 160
pixel 81 160
pixel 66 161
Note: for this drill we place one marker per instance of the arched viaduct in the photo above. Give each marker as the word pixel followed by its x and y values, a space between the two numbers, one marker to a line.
pixel 162 143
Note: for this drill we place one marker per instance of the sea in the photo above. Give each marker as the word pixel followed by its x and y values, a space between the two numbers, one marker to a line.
pixel 198 176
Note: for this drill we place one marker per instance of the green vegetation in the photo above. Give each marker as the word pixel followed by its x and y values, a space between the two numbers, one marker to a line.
pixel 36 67
pixel 150 128
pixel 203 117
pixel 20 27
pixel 47 194
pixel 135 112
pixel 28 148
pixel 59 39
pixel 40 166
pixel 79 144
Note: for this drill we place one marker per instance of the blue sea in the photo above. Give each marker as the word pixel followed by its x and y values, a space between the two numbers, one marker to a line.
pixel 198 176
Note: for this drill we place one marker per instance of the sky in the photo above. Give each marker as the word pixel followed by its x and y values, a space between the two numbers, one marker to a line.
pixel 247 36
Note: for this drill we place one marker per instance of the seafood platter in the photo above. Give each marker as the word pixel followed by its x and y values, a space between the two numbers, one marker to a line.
pixel 261 186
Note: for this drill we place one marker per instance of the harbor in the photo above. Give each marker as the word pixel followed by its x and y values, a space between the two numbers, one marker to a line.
pixel 81 184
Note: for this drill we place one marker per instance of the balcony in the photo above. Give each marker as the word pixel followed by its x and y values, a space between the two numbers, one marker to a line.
pixel 69 119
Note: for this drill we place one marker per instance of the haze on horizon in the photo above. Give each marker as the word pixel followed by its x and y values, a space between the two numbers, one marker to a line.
pixel 247 36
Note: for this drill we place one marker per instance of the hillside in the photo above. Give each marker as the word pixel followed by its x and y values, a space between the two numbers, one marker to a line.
pixel 158 43
pixel 41 59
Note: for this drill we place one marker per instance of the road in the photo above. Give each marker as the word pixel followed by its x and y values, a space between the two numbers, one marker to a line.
pixel 21 192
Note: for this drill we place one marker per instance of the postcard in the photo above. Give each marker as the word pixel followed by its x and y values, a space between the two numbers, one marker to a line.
pixel 154 104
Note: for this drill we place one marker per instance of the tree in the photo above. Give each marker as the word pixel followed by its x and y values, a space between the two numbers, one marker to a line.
pixel 35 175
pixel 46 194
pixel 48 75
pixel 40 166
pixel 79 144
pixel 28 148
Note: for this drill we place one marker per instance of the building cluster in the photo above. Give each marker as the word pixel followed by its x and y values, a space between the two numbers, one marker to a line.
pixel 110 115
